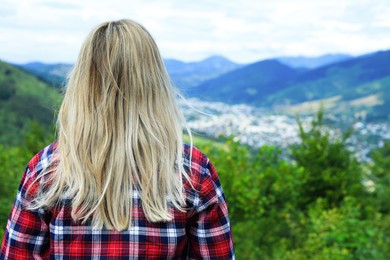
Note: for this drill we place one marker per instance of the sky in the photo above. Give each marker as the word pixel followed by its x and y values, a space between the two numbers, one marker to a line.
pixel 243 31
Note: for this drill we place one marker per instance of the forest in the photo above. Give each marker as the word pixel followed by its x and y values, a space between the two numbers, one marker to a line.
pixel 318 202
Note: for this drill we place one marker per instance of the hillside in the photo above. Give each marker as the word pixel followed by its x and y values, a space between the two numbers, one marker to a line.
pixel 248 84
pixel 23 99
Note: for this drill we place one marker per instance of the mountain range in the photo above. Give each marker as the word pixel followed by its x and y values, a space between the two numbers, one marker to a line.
pixel 247 84
pixel 340 83
pixel 354 85
pixel 189 74
pixel 183 74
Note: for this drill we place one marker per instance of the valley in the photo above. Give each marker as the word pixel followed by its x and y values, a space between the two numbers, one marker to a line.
pixel 257 127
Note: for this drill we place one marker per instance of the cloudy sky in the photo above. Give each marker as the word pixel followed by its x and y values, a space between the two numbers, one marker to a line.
pixel 241 30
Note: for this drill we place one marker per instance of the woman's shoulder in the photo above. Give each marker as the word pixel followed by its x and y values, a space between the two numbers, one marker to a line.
pixel 199 165
pixel 194 158
pixel 43 159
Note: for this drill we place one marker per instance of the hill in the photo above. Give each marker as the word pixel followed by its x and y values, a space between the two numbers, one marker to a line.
pixel 23 99
pixel 248 84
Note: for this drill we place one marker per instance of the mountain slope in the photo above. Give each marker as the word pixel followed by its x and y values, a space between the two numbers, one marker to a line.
pixel 370 100
pixel 358 85
pixel 23 98
pixel 54 74
pixel 344 78
pixel 249 84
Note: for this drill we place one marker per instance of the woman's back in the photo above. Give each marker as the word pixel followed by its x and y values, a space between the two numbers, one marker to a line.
pixel 119 182
pixel 202 232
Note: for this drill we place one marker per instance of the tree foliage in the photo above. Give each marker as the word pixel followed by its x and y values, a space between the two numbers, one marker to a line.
pixel 319 203
pixel 380 175
pixel 331 171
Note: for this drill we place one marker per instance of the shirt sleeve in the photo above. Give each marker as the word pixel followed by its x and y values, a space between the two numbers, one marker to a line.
pixel 27 234
pixel 209 228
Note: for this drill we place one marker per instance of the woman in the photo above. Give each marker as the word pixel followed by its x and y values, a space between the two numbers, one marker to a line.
pixel 119 182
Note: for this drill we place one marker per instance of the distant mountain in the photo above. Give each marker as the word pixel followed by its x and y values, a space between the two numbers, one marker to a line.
pixel 346 78
pixel 183 74
pixel 23 98
pixel 343 83
pixel 54 74
pixel 356 85
pixel 313 62
pixel 248 84
pixel 186 75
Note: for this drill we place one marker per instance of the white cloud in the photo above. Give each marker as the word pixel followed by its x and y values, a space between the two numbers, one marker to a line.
pixel 243 30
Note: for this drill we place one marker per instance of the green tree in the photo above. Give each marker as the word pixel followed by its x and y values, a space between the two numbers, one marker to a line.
pixel 340 233
pixel 380 175
pixel 7 90
pixel 13 161
pixel 260 188
pixel 37 137
pixel 331 171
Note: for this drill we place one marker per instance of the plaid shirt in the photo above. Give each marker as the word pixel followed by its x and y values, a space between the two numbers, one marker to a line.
pixel 203 232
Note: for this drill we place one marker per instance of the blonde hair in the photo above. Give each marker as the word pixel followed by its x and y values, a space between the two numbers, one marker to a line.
pixel 119 129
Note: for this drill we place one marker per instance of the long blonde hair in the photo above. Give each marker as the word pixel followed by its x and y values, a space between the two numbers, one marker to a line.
pixel 119 129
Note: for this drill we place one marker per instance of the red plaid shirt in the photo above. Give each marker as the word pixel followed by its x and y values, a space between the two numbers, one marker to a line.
pixel 203 232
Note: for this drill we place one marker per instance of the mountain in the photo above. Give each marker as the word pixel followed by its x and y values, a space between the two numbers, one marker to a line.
pixel 186 75
pixel 313 62
pixel 183 74
pixel 351 79
pixel 54 74
pixel 340 82
pixel 248 84
pixel 356 85
pixel 23 99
